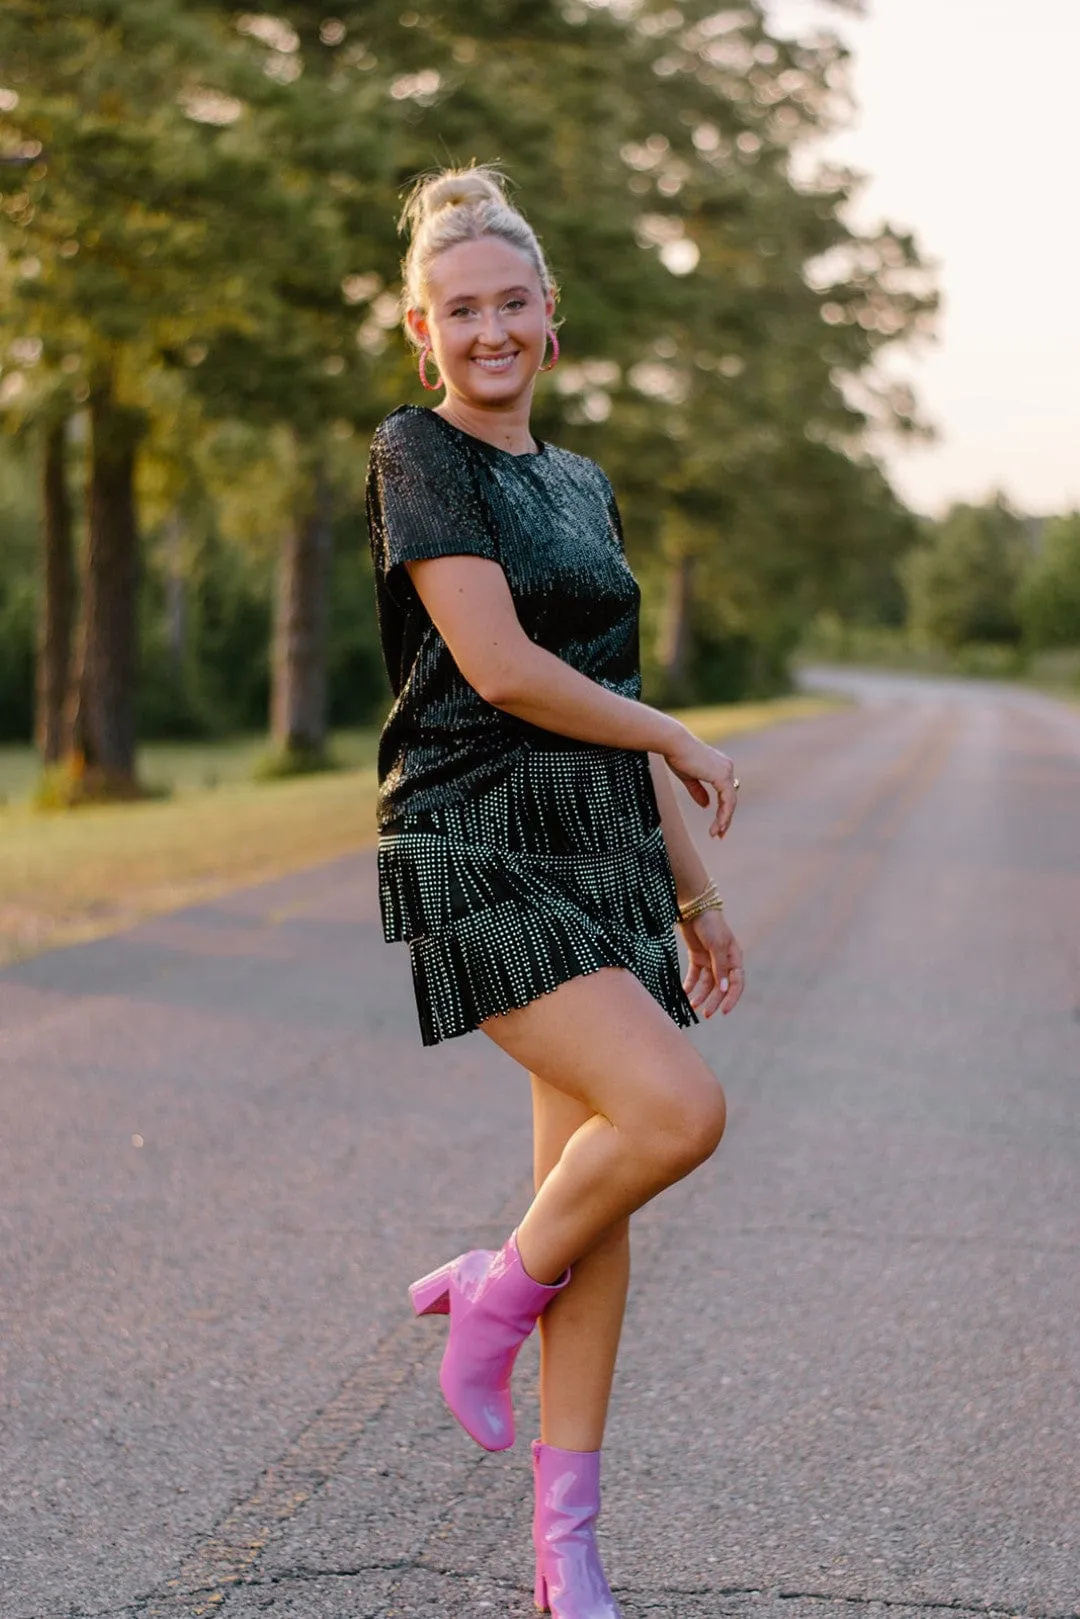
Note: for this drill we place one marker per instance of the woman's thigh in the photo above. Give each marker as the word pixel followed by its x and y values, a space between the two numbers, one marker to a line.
pixel 603 1042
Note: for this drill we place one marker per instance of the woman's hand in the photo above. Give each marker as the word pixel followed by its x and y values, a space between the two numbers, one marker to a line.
pixel 714 978
pixel 700 767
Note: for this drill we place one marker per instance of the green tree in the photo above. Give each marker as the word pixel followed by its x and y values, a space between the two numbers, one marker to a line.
pixel 1049 596
pixel 737 425
pixel 56 610
pixel 155 215
pixel 210 215
pixel 962 583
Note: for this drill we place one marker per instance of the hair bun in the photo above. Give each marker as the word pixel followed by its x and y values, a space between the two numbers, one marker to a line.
pixel 452 188
pixel 453 206
pixel 459 190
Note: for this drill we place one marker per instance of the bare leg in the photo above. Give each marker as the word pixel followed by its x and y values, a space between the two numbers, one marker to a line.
pixel 579 1331
pixel 656 1111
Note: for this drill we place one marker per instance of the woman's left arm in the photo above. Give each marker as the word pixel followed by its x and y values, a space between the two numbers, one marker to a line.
pixel 686 864
pixel 714 976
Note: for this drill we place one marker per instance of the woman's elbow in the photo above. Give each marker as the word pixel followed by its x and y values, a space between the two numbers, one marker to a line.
pixel 498 688
pixel 500 681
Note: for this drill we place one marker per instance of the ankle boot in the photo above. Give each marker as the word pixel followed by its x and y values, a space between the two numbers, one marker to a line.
pixel 570 1579
pixel 493 1305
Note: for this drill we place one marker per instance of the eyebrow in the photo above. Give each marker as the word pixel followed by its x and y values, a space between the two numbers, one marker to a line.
pixel 469 297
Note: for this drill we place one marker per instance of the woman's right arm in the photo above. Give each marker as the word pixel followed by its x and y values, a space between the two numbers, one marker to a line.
pixel 468 600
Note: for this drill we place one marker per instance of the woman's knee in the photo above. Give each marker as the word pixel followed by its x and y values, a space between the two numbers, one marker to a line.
pixel 599 1044
pixel 694 1126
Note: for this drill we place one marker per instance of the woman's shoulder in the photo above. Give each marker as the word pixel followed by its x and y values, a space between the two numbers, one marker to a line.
pixel 412 444
pixel 405 427
pixel 582 469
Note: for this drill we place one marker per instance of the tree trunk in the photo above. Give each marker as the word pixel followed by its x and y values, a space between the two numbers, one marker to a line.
pixel 176 615
pixel 298 699
pixel 673 649
pixel 57 597
pixel 101 710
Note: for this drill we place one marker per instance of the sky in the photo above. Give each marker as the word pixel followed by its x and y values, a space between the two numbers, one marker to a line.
pixel 968 132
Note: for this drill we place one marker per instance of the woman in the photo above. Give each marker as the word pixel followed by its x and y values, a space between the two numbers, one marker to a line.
pixel 531 849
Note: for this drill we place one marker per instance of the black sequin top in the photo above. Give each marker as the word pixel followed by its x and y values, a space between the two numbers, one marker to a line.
pixel 551 521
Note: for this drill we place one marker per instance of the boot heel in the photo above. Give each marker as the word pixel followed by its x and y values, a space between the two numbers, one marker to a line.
pixel 431 1294
pixel 540 1596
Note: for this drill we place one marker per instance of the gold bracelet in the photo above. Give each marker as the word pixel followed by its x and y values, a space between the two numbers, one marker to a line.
pixel 708 892
pixel 714 903
pixel 708 900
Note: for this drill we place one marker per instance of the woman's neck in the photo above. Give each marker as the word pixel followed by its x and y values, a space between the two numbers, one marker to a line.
pixel 506 429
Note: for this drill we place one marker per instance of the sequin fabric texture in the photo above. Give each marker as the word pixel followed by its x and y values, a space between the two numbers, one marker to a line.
pixel 511 858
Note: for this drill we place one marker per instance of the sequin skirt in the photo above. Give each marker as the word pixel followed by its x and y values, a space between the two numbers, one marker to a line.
pixel 557 870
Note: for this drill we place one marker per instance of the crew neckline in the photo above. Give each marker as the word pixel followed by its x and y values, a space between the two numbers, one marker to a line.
pixel 512 455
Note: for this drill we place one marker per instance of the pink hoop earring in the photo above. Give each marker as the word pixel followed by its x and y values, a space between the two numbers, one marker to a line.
pixel 432 387
pixel 553 362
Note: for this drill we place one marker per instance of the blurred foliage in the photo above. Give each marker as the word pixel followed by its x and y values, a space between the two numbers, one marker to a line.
pixel 962 583
pixel 829 639
pixel 1049 600
pixel 204 199
pixel 989 593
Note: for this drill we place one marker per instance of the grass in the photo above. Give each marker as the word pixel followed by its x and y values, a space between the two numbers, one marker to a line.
pixel 75 876
pixel 185 767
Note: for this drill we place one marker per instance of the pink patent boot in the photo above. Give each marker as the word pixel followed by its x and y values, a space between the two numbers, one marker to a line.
pixel 493 1305
pixel 570 1579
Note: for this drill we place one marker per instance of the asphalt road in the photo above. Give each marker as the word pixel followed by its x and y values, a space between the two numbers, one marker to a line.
pixel 851 1377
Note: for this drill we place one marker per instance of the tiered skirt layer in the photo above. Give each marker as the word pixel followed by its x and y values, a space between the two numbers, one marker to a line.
pixel 558 869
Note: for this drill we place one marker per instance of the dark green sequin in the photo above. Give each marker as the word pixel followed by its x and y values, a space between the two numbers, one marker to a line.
pixel 551 521
pixel 511 858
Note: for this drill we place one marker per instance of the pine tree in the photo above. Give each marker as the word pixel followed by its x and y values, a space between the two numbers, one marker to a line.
pixel 146 226
pixel 57 596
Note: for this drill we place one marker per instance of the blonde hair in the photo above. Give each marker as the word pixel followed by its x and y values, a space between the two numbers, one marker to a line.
pixel 461 205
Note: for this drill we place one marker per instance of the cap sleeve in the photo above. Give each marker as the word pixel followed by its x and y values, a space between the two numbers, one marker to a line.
pixel 423 498
pixel 615 517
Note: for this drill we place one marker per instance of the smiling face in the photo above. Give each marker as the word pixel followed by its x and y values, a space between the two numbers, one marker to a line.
pixel 486 320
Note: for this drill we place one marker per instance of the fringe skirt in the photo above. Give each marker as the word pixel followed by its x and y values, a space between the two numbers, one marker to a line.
pixel 557 870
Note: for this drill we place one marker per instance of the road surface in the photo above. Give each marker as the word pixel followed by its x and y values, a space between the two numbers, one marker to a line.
pixel 851 1378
